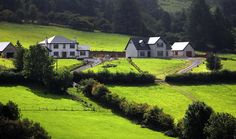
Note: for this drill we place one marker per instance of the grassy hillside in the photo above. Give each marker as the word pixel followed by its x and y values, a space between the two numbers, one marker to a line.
pixel 31 34
pixel 6 63
pixel 64 118
pixel 175 99
pixel 67 63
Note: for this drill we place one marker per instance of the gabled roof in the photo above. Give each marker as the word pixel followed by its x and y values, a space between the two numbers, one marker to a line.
pixel 140 43
pixel 57 39
pixel 179 46
pixel 3 45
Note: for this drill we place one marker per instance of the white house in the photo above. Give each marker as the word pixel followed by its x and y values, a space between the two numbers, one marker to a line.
pixel 154 47
pixel 7 49
pixel 61 47
pixel 182 49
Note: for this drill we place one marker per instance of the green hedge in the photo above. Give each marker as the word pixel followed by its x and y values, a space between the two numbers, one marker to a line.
pixel 116 78
pixel 203 78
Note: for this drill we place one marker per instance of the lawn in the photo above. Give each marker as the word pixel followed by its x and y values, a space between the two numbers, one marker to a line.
pixel 6 63
pixel 175 99
pixel 29 34
pixel 121 65
pixel 67 124
pixel 67 63
pixel 161 67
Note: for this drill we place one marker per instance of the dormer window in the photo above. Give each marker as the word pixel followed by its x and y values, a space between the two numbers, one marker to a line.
pixel 140 41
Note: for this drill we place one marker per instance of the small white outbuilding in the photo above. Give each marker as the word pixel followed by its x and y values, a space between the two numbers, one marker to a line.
pixel 182 49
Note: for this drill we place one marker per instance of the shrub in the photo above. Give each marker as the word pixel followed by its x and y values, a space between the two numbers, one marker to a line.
pixel 8 77
pixel 195 119
pixel 87 86
pixel 99 90
pixel 213 63
pixel 156 119
pixel 10 111
pixel 10 129
pixel 221 126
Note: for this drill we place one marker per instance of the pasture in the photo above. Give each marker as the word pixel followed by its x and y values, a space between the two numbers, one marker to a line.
pixel 29 34
pixel 67 64
pixel 175 99
pixel 72 119
pixel 161 67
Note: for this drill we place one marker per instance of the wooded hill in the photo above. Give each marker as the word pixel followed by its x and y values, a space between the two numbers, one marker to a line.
pixel 134 17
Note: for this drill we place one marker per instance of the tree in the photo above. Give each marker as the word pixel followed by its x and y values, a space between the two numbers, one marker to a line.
pixel 9 111
pixel 213 62
pixel 199 24
pixel 33 12
pixel 38 65
pixel 127 19
pixel 222 38
pixel 221 126
pixel 195 119
pixel 19 56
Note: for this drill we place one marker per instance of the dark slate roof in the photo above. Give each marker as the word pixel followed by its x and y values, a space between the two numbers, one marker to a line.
pixel 58 39
pixel 140 43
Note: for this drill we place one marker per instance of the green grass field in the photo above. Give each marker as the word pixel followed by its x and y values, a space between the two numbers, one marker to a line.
pixel 31 34
pixel 66 124
pixel 67 63
pixel 6 63
pixel 175 99
pixel 161 67
pixel 122 65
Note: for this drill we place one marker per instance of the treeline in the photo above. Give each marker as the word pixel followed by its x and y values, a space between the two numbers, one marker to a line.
pixel 12 127
pixel 107 77
pixel 206 28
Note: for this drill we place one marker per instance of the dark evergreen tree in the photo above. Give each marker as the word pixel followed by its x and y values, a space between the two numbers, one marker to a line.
pixel 199 28
pixel 213 62
pixel 128 18
pixel 19 57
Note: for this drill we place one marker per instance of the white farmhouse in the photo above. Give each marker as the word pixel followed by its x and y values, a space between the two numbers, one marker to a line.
pixel 61 47
pixel 140 47
pixel 182 49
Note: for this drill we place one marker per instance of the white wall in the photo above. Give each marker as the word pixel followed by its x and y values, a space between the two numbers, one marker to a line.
pixel 131 50
pixel 183 53
pixel 189 48
pixel 62 49
pixel 157 47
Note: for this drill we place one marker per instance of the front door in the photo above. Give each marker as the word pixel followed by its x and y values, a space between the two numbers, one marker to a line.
pixel 149 54
pixel 64 54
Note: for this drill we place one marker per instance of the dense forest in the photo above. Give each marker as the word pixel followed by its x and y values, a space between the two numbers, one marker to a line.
pixel 208 24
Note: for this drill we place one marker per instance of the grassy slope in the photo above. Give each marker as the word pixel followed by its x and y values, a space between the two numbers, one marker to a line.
pixel 175 99
pixel 7 63
pixel 68 63
pixel 72 124
pixel 161 67
pixel 31 34
pixel 122 65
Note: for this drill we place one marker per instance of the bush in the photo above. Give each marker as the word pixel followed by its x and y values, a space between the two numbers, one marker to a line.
pixel 195 119
pixel 221 126
pixel 10 111
pixel 203 78
pixel 116 78
pixel 156 119
pixel 10 129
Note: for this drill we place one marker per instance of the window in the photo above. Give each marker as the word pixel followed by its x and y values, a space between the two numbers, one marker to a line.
pixel 56 53
pixel 72 53
pixel 82 53
pixel 64 46
pixel 160 53
pixel 72 46
pixel 55 46
pixel 142 54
